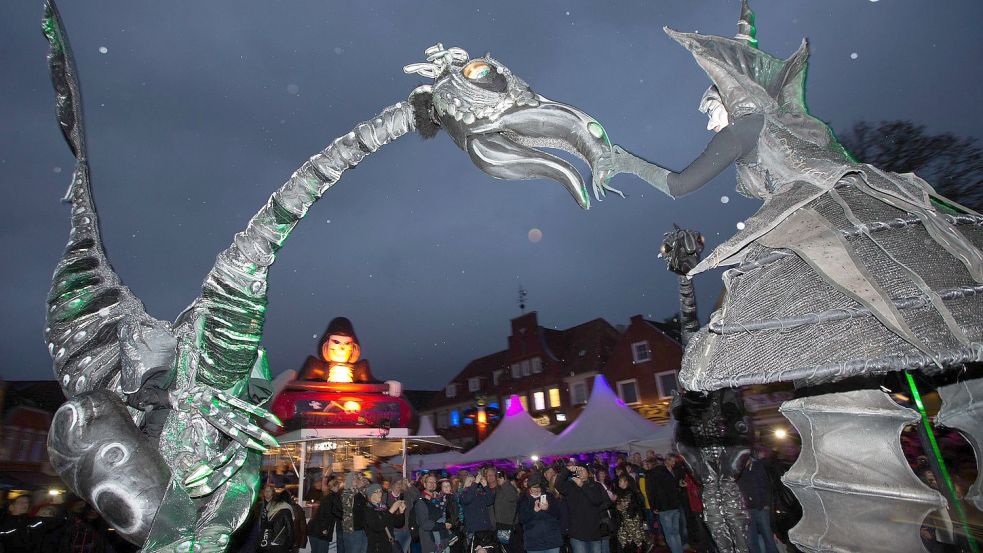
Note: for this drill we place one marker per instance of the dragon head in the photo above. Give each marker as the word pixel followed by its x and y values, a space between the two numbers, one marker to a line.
pixel 502 124
pixel 681 248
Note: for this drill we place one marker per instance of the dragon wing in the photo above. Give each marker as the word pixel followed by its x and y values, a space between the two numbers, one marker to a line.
pixel 88 306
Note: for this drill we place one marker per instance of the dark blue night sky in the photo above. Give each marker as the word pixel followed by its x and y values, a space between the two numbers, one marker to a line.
pixel 196 112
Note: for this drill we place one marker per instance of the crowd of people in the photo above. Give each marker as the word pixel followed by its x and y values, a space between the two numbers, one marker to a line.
pixel 634 504
pixel 68 527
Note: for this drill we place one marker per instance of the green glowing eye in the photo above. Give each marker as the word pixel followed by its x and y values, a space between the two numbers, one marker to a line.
pixel 476 70
pixel 597 131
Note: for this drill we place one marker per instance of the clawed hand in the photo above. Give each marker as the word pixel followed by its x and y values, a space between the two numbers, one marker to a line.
pixel 606 167
pixel 230 415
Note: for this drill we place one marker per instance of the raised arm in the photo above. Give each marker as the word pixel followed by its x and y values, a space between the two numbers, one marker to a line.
pixel 732 142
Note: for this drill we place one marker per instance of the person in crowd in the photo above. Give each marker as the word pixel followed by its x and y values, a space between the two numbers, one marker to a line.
pixel 540 517
pixel 353 503
pixel 586 500
pixel 277 522
pixel 379 521
pixel 631 533
pixel 636 460
pixel 549 477
pixel 84 530
pixel 411 493
pixel 401 532
pixel 430 511
pixel 699 532
pixel 680 470
pixel 504 510
pixel 664 497
pixel 324 521
pixel 643 477
pixel 19 531
pixel 477 499
pixel 452 519
pixel 756 486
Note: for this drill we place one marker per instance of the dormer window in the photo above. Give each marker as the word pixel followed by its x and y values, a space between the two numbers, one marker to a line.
pixel 451 390
pixel 474 384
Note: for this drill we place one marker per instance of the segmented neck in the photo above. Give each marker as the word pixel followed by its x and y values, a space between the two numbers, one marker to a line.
pixel 232 308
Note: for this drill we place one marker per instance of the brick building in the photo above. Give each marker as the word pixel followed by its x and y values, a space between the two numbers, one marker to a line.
pixel 552 370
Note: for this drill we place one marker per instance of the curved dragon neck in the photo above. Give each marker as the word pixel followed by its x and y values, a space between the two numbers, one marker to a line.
pixel 689 323
pixel 228 318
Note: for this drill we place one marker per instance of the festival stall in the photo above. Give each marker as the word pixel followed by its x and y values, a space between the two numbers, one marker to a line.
pixel 607 424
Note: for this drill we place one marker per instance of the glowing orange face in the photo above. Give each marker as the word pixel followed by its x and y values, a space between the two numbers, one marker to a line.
pixel 340 349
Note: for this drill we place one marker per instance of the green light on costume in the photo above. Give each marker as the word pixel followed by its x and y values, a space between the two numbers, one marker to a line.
pixel 917 397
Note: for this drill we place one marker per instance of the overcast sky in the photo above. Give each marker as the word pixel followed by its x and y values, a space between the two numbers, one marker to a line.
pixel 196 111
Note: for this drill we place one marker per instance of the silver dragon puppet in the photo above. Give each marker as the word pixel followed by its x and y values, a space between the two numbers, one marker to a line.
pixel 160 430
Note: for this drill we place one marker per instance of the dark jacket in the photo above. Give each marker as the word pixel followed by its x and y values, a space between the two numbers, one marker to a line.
pixel 358 512
pixel 22 533
pixel 663 489
pixel 756 484
pixel 506 502
pixel 378 524
pixel 585 505
pixel 326 517
pixel 428 513
pixel 277 531
pixel 543 529
pixel 475 501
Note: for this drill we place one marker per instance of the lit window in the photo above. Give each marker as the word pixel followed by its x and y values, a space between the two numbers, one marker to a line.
pixel 474 384
pixel 455 418
pixel 667 383
pixel 524 401
pixel 554 397
pixel 451 390
pixel 516 370
pixel 578 393
pixel 537 365
pixel 497 376
pixel 526 368
pixel 640 352
pixel 538 401
pixel 628 391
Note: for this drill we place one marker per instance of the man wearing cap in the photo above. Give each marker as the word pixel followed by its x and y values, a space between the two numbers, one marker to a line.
pixel 586 500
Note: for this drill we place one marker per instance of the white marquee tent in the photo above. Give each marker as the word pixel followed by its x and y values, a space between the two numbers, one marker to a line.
pixel 517 436
pixel 607 424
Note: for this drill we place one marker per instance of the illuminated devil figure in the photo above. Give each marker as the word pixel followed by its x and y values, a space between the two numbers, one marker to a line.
pixel 160 429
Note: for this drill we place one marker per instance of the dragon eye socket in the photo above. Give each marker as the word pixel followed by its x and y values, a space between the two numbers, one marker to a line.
pixel 476 70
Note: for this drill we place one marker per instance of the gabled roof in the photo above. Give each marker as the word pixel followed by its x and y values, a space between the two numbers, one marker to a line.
pixel 483 366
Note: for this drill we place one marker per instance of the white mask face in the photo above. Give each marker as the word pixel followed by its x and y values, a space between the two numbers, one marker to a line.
pixel 718 116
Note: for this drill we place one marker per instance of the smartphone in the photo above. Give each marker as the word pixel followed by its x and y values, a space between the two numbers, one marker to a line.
pixel 401 498
pixel 542 500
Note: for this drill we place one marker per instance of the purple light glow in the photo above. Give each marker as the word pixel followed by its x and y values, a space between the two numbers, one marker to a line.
pixel 515 406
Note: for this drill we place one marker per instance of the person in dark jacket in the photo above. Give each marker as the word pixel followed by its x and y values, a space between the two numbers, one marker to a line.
pixel 430 512
pixel 277 519
pixel 84 531
pixel 353 503
pixel 477 498
pixel 664 498
pixel 453 520
pixel 379 521
pixel 19 531
pixel 586 501
pixel 540 515
pixel 321 529
pixel 756 485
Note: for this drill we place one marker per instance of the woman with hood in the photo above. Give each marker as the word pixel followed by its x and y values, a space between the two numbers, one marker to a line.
pixel 380 521
pixel 277 522
pixel 846 269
